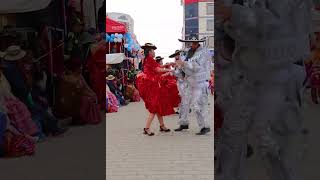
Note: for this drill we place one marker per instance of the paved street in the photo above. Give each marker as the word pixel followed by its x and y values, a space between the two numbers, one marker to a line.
pixel 79 154
pixel 131 155
pixel 173 156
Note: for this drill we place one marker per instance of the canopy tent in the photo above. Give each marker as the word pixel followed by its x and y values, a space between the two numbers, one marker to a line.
pixel 22 6
pixel 115 27
pixel 115 58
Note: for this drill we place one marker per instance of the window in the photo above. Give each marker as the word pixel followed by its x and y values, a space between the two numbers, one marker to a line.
pixel 211 42
pixel 192 26
pixel 191 10
pixel 210 9
pixel 123 17
pixel 210 25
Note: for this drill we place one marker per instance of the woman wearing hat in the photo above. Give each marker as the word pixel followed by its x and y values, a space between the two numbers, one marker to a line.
pixel 158 92
pixel 159 60
pixel 18 115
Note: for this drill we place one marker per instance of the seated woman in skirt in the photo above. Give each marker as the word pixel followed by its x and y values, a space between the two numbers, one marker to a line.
pixel 113 103
pixel 75 98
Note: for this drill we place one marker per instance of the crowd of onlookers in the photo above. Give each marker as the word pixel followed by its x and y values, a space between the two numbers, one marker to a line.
pixel 46 85
pixel 120 85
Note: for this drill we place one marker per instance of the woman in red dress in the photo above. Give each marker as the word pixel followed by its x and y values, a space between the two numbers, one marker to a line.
pixel 157 89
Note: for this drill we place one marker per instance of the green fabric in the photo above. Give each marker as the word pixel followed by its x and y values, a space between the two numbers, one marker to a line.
pixel 30 100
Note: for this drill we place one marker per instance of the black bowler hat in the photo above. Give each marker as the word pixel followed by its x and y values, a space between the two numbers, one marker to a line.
pixel 175 54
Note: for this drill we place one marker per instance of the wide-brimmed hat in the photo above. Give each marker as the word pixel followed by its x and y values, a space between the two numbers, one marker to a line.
pixel 149 45
pixel 14 53
pixel 110 77
pixel 177 52
pixel 159 58
pixel 192 39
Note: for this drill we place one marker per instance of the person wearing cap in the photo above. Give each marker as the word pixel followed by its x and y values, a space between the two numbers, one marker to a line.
pixel 159 93
pixel 271 40
pixel 196 69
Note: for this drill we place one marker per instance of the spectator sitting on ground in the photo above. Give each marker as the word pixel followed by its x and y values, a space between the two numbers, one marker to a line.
pixel 112 101
pixel 76 98
pixel 131 92
pixel 111 82
pixel 46 122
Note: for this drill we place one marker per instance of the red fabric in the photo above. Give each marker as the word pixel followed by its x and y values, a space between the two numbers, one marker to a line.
pixel 315 76
pixel 195 1
pixel 136 96
pixel 97 72
pixel 211 84
pixel 113 104
pixel 89 112
pixel 159 93
pixel 20 117
pixel 19 145
pixel 114 26
pixel 218 118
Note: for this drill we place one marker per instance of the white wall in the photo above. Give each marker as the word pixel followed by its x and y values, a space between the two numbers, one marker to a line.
pixel 203 17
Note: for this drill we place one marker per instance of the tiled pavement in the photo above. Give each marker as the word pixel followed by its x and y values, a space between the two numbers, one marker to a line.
pixel 131 155
pixel 182 156
pixel 171 156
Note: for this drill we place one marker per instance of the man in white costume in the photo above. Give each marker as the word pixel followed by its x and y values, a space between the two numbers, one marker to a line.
pixel 196 69
pixel 182 87
pixel 267 73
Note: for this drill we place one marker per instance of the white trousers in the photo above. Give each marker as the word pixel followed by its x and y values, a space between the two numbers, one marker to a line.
pixel 195 97
pixel 184 105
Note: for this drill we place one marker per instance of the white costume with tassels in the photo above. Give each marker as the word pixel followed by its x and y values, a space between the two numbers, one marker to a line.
pixel 272 38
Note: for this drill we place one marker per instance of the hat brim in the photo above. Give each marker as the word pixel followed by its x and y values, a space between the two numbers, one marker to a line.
pixel 182 40
pixel 174 54
pixel 110 79
pixel 17 57
pixel 151 47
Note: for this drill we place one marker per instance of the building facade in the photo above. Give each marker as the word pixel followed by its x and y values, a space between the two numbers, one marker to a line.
pixel 199 20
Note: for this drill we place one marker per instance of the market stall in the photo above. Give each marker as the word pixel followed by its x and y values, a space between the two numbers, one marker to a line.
pixel 115 58
pixel 22 6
